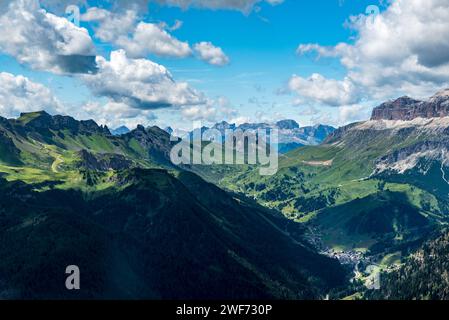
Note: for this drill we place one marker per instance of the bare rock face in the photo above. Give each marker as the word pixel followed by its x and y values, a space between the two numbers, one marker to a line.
pixel 407 109
pixel 103 162
pixel 287 125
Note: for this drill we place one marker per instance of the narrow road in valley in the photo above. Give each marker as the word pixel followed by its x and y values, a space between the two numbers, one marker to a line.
pixel 58 161
pixel 58 158
pixel 443 161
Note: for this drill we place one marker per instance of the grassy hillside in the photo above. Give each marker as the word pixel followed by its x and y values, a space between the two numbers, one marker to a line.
pixel 336 186
pixel 385 218
pixel 369 188
pixel 138 227
pixel 423 276
pixel 153 238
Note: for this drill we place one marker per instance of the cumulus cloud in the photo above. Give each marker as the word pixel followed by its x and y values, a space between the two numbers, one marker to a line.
pixel 115 114
pixel 349 114
pixel 139 39
pixel 404 51
pixel 19 94
pixel 212 111
pixel 45 41
pixel 340 116
pixel 59 7
pixel 151 38
pixel 325 91
pixel 320 51
pixel 200 112
pixel 211 54
pixel 139 83
pixel 308 111
pixel 110 25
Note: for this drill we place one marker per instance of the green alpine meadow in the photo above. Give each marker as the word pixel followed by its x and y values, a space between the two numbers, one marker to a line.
pixel 372 193
pixel 137 226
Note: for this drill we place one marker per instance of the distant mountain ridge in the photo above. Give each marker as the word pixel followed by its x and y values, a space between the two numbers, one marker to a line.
pixel 374 190
pixel 375 186
pixel 135 224
pixel 41 120
pixel 291 135
pixel 120 130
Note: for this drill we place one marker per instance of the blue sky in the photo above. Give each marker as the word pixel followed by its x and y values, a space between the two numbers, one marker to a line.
pixel 265 78
pixel 262 48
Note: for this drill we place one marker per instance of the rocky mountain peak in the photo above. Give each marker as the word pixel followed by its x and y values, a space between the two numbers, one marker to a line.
pixel 120 130
pixel 169 130
pixel 441 94
pixel 224 126
pixel 41 120
pixel 34 114
pixel 406 108
pixel 287 125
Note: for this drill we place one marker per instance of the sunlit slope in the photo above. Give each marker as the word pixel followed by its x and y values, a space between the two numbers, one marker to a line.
pixel 357 162
pixel 38 147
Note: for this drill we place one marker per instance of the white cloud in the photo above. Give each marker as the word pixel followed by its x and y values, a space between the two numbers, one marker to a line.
pixel 59 7
pixel 110 25
pixel 405 51
pixel 245 6
pixel 240 120
pixel 177 25
pixel 349 114
pixel 200 112
pixel 325 91
pixel 308 111
pixel 321 51
pixel 140 83
pixel 139 39
pixel 274 2
pixel 212 111
pixel 115 114
pixel 211 54
pixel 149 38
pixel 44 41
pixel 19 94
pixel 142 39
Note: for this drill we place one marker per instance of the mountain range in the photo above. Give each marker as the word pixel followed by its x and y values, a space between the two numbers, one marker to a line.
pixel 372 193
pixel 406 108
pixel 291 135
pixel 137 226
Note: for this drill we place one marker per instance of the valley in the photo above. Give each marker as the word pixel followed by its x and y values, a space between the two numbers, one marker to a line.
pixel 135 224
pixel 373 190
pixel 363 202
